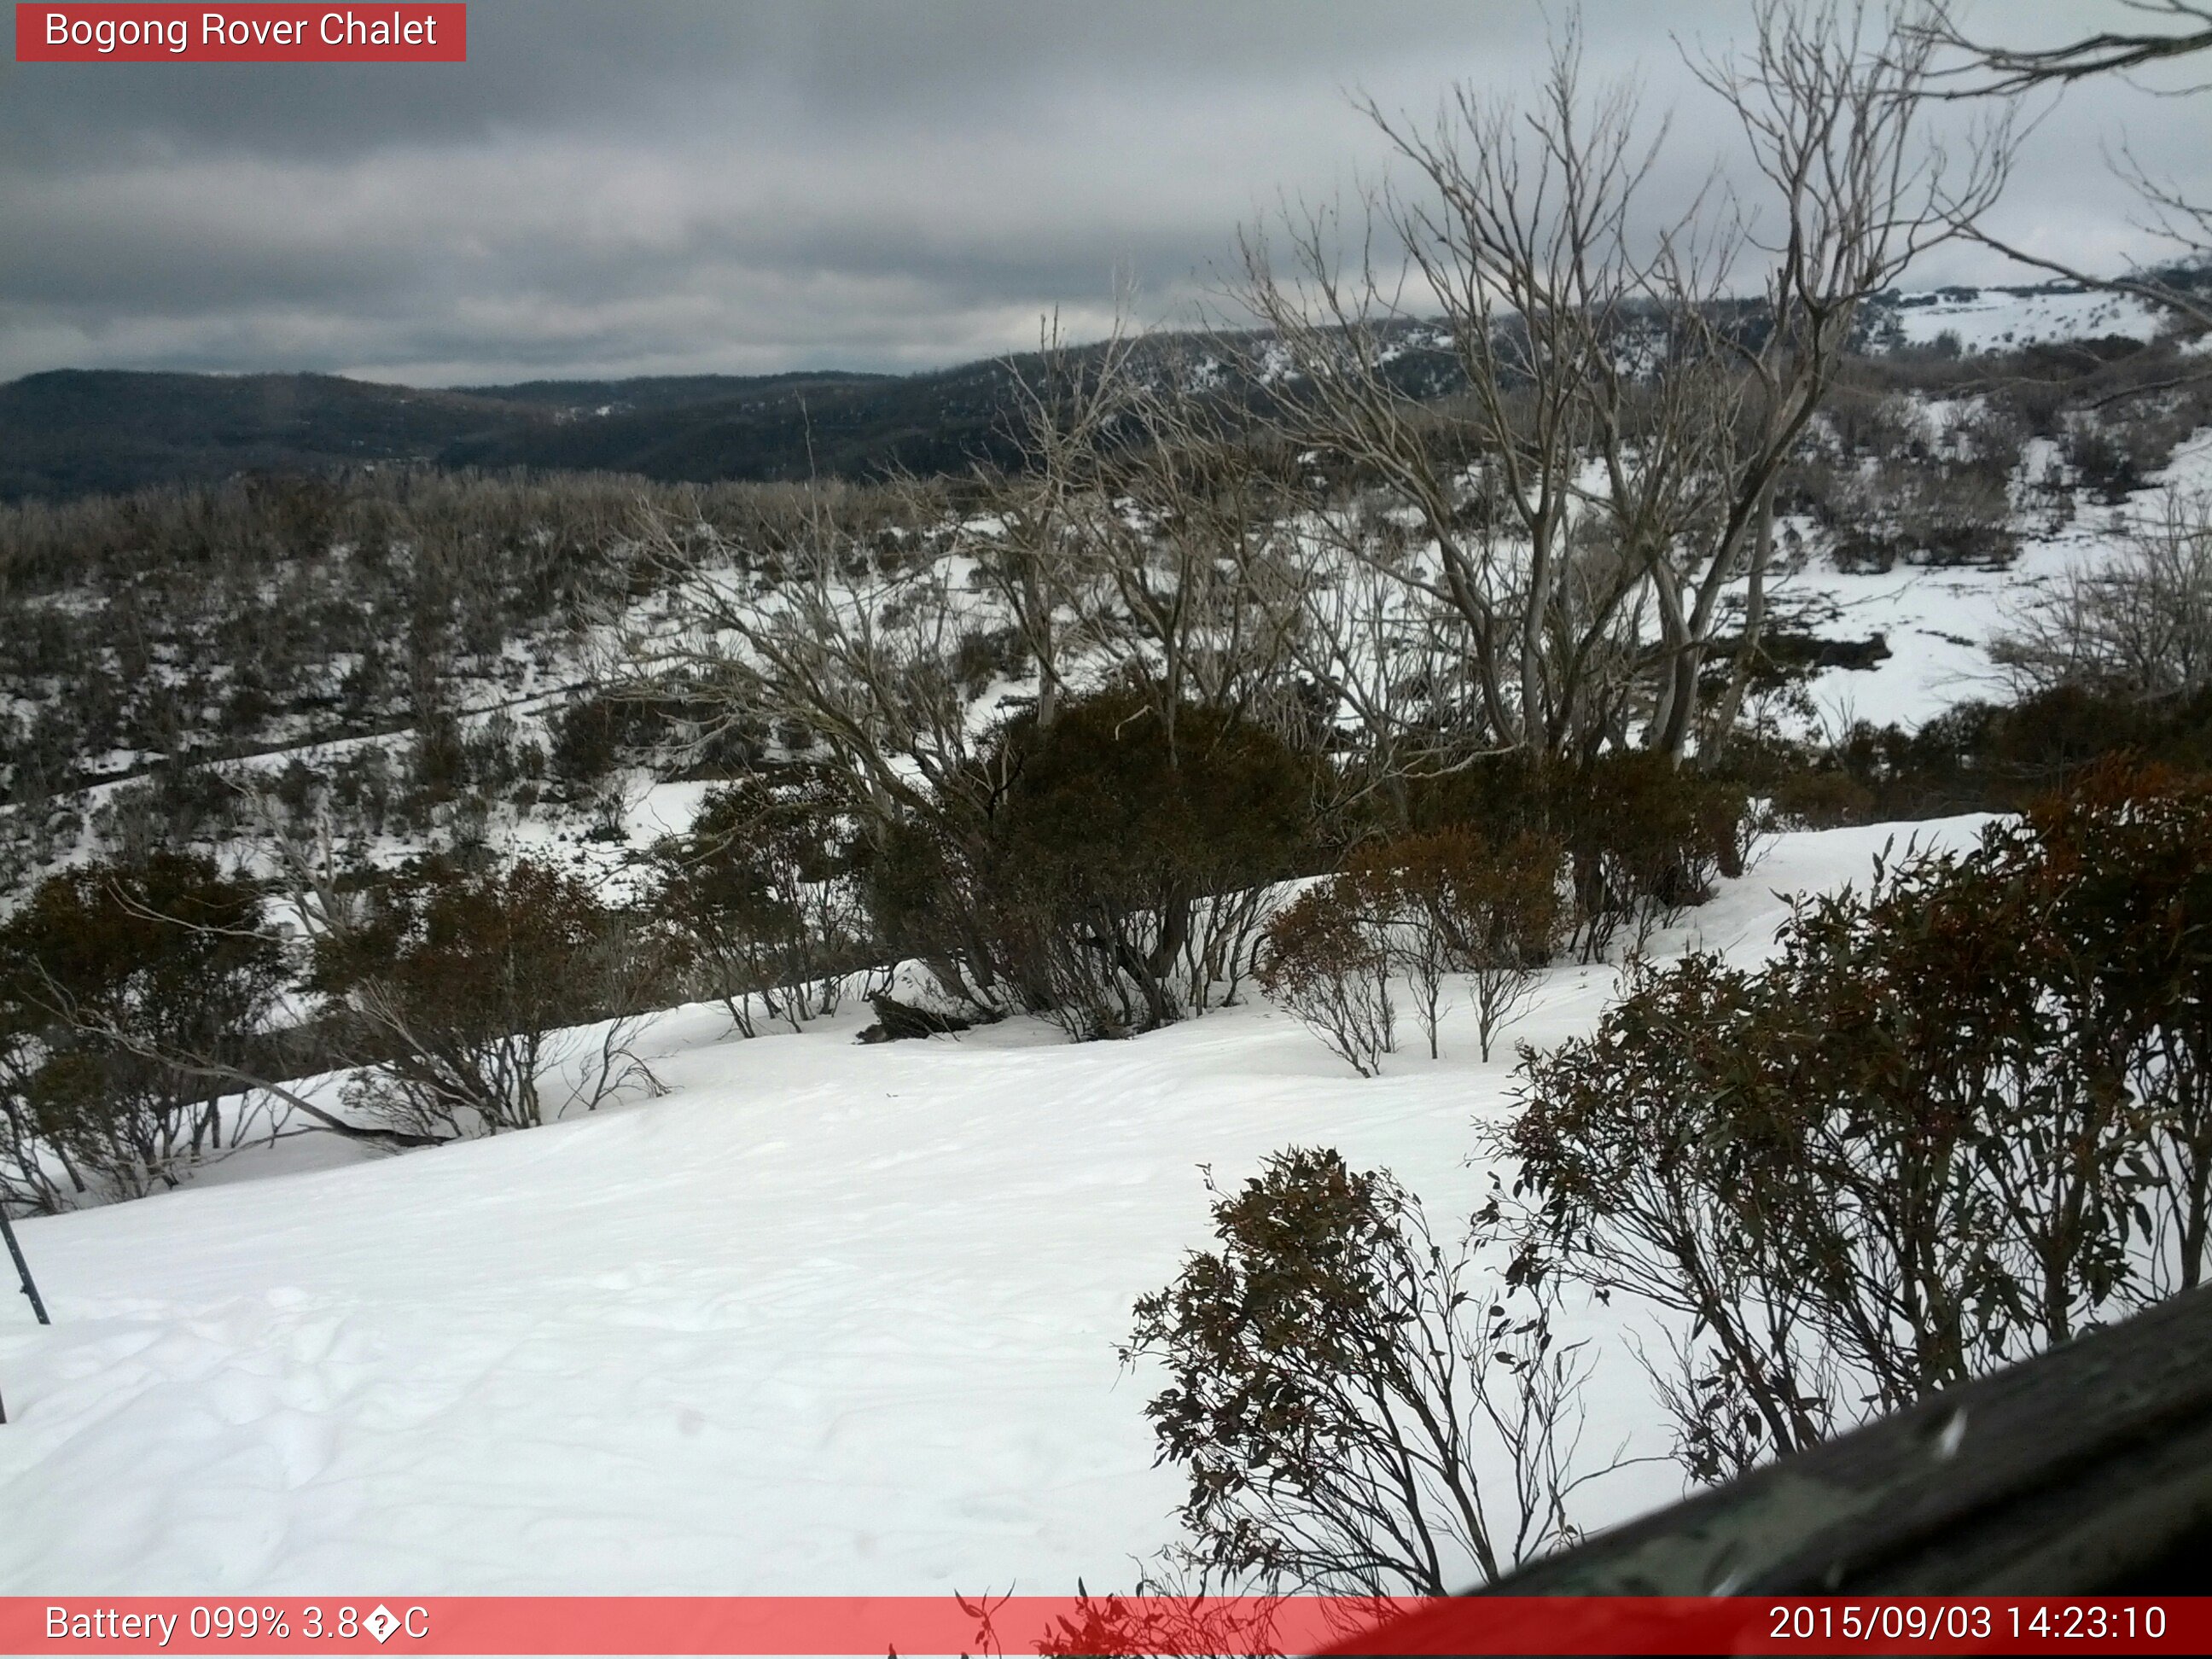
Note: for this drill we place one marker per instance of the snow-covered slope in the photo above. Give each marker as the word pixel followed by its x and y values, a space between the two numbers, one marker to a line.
pixel 826 1318
pixel 1938 621
pixel 2000 318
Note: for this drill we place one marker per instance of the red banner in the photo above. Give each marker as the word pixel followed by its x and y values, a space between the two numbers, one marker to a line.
pixel 79 33
pixel 917 1626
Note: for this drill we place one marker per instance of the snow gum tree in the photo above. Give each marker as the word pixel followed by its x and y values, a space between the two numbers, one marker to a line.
pixel 1627 379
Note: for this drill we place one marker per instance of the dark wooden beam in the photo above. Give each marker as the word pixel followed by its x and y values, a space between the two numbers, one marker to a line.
pixel 2086 1469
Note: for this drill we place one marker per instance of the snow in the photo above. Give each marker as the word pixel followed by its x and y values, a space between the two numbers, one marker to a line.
pixel 1938 622
pixel 1998 318
pixel 665 809
pixel 827 1318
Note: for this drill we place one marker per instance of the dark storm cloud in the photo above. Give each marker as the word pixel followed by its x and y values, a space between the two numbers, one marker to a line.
pixel 612 188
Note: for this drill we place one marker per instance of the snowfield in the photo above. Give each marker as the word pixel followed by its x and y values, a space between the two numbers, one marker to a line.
pixel 826 1318
pixel 1998 318
pixel 1938 621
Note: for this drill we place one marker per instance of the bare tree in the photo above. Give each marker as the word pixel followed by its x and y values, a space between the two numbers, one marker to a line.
pixel 843 647
pixel 2002 71
pixel 1140 543
pixel 1028 540
pixel 1621 423
pixel 1188 522
pixel 1521 238
pixel 846 654
pixel 1982 68
pixel 2138 624
pixel 1856 189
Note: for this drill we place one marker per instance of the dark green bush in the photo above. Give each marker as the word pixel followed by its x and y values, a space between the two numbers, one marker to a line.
pixel 1104 870
pixel 125 988
pixel 1645 839
pixel 759 896
pixel 463 994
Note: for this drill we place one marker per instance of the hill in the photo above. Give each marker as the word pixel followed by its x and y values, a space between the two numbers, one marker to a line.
pixel 75 432
pixel 785 425
pixel 71 433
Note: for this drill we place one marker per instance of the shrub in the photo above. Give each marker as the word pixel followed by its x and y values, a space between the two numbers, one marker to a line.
pixel 593 735
pixel 2139 626
pixel 1992 756
pixel 1353 1417
pixel 1645 838
pixel 471 995
pixel 1956 1119
pixel 1106 869
pixel 124 989
pixel 1921 514
pixel 2110 460
pixel 1820 797
pixel 1499 796
pixel 759 897
pixel 2123 863
pixel 1451 902
pixel 1324 963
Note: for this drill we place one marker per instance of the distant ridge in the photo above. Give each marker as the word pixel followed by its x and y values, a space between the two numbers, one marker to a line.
pixel 669 390
pixel 74 432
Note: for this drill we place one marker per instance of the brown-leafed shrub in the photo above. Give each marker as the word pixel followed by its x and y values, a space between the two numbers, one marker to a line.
pixel 1644 836
pixel 1957 1118
pixel 1354 1416
pixel 1451 903
pixel 1981 756
pixel 1325 963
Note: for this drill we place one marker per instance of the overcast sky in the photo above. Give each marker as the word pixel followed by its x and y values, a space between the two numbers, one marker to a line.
pixel 658 186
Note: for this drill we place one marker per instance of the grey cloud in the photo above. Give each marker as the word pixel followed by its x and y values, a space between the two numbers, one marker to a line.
pixel 649 187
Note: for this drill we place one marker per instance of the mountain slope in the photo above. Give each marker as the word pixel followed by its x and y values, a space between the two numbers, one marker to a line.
pixel 73 432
